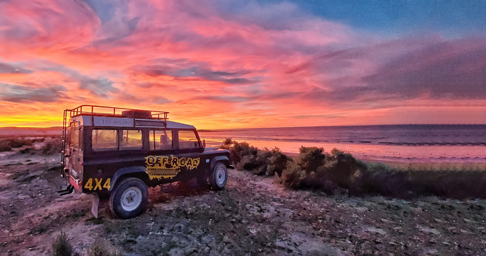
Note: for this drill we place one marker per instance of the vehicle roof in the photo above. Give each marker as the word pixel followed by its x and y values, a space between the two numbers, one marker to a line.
pixel 127 122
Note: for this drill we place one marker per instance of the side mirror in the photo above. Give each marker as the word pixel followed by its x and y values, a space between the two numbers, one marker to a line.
pixel 204 143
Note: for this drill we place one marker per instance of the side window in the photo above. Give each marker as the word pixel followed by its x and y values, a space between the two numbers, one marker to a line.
pixel 104 140
pixel 131 139
pixel 188 139
pixel 160 140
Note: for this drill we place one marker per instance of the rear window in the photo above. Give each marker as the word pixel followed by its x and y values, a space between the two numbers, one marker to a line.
pixel 188 139
pixel 160 140
pixel 75 136
pixel 131 139
pixel 103 140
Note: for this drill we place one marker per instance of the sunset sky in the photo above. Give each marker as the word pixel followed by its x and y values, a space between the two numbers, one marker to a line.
pixel 235 64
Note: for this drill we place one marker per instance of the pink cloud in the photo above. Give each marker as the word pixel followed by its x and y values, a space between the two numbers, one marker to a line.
pixel 218 70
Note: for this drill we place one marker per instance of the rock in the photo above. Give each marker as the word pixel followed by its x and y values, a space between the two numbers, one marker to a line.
pixel 176 252
pixel 470 221
pixel 375 230
pixel 428 230
pixel 440 221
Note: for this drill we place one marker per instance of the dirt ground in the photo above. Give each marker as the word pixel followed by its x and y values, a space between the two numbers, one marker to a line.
pixel 252 216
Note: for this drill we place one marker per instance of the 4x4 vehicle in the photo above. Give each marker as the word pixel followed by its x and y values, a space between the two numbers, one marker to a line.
pixel 119 152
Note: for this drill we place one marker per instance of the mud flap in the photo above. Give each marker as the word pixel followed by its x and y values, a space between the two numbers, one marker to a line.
pixel 95 204
pixel 66 191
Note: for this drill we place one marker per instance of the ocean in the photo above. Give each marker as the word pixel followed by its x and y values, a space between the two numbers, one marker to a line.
pixel 380 142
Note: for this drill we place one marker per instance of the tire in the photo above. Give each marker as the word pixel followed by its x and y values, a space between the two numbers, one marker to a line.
pixel 129 198
pixel 218 177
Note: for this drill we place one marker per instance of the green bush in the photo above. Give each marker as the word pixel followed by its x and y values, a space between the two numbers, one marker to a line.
pixel 381 179
pixel 339 171
pixel 310 158
pixel 344 170
pixel 314 169
pixel 61 246
pixel 258 161
pixel 303 172
pixel 238 150
pixel 277 162
pixel 452 184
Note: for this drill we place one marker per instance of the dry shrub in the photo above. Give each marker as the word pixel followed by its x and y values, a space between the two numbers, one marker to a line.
pixel 17 143
pixel 380 179
pixel 277 162
pixel 344 169
pixel 258 161
pixel 102 248
pixel 340 171
pixel 7 145
pixel 61 246
pixel 303 172
pixel 452 184
pixel 238 150
pixel 52 146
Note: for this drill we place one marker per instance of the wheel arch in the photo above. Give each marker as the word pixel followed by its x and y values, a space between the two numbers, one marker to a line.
pixel 217 159
pixel 134 171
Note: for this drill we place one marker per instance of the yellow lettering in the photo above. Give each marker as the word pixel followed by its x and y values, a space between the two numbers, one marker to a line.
pixel 160 161
pixel 173 161
pixel 107 184
pixel 89 184
pixel 195 162
pixel 150 160
pixel 182 162
pixel 98 184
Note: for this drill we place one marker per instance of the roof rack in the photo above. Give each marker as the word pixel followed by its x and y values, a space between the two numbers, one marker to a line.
pixel 94 110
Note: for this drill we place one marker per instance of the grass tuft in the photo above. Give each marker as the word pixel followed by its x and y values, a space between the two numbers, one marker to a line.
pixel 61 246
pixel 102 248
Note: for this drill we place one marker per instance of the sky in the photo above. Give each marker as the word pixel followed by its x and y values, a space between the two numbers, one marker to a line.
pixel 221 64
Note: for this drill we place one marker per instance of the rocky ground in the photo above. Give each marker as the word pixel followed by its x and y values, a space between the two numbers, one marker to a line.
pixel 252 216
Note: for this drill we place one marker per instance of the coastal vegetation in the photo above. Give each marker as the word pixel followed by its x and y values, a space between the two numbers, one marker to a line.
pixel 8 144
pixel 339 172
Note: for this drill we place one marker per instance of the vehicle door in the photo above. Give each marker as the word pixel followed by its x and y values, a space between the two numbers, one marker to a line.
pixel 160 163
pixel 189 149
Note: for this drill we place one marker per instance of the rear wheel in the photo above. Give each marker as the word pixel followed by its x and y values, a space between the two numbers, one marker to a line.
pixel 129 198
pixel 219 176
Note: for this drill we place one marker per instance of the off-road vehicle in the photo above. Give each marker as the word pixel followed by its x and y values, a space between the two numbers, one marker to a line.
pixel 119 153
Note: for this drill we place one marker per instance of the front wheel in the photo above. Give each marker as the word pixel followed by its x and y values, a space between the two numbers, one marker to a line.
pixel 218 177
pixel 129 198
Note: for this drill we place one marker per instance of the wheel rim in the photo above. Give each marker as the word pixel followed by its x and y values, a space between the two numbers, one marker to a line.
pixel 220 176
pixel 131 198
